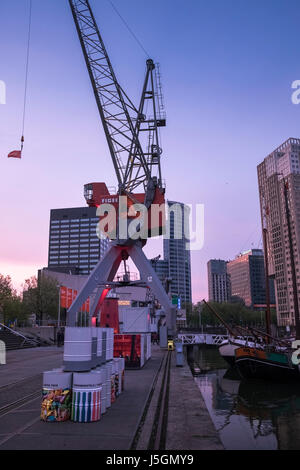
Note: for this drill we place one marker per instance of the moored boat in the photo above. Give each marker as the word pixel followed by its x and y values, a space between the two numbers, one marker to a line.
pixel 268 364
pixel 228 347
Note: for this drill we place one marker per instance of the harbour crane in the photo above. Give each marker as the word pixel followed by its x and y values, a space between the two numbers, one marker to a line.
pixel 132 136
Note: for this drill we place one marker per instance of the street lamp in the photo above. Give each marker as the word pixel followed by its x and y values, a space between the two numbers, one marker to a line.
pixel 58 320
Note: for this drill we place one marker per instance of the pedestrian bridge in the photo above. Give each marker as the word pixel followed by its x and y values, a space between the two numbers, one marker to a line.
pixel 202 338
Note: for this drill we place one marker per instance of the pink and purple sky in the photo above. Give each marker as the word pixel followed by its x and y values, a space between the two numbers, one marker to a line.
pixel 227 69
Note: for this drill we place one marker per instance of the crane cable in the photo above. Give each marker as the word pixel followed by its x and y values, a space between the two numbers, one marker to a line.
pixel 26 73
pixel 129 29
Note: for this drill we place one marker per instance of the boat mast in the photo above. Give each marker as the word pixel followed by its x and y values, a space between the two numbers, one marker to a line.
pixel 220 318
pixel 268 310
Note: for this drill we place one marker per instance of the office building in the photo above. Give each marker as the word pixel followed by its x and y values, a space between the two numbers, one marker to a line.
pixel 247 280
pixel 74 246
pixel 176 253
pixel 218 281
pixel 161 267
pixel 282 167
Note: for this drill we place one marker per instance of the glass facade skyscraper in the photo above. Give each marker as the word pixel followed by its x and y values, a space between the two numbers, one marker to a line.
pixel 176 253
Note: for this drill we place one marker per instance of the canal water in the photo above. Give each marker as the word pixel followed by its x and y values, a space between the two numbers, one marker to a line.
pixel 248 414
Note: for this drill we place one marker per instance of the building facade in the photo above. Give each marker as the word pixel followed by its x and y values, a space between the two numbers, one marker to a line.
pixel 282 167
pixel 176 253
pixel 218 281
pixel 161 267
pixel 74 246
pixel 247 280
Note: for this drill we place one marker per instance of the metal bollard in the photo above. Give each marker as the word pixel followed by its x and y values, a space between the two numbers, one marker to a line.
pixel 179 354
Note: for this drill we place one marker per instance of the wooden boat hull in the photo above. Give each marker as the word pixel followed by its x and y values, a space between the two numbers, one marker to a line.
pixel 227 349
pixel 253 363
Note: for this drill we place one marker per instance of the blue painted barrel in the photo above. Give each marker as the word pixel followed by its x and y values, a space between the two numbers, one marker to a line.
pixel 86 401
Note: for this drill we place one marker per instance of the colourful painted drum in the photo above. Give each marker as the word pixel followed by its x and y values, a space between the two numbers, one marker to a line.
pixel 56 402
pixel 108 368
pixel 94 346
pixel 118 376
pixel 86 402
pixel 111 344
pixel 113 382
pixel 78 349
pixel 99 346
pixel 104 341
pixel 122 380
pixel 102 371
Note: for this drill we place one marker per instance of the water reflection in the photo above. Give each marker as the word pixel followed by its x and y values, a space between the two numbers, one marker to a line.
pixel 248 414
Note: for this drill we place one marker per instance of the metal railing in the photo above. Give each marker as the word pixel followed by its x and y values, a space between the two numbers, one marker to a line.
pixel 16 333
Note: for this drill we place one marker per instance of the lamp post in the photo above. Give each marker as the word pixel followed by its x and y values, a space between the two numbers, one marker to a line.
pixel 58 320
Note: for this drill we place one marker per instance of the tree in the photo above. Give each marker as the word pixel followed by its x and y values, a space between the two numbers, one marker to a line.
pixel 10 302
pixel 13 310
pixel 40 296
pixel 232 313
pixel 6 289
pixel 6 292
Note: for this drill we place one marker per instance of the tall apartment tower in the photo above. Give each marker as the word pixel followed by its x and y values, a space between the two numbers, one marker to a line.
pixel 282 167
pixel 218 281
pixel 176 253
pixel 247 279
pixel 74 246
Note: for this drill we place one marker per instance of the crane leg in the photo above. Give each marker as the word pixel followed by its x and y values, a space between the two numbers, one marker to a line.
pixel 106 270
pixel 149 276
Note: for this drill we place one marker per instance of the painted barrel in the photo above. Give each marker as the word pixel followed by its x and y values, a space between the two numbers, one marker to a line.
pixel 102 371
pixel 99 346
pixel 78 349
pixel 94 346
pixel 104 341
pixel 86 401
pixel 113 382
pixel 107 353
pixel 111 344
pixel 57 396
pixel 108 367
pixel 119 364
pixel 122 369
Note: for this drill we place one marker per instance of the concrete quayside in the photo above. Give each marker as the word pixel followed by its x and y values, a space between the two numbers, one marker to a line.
pixel 161 408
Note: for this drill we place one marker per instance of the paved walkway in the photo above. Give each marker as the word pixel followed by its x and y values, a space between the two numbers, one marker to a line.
pixel 22 428
pixel 24 363
pixel 189 424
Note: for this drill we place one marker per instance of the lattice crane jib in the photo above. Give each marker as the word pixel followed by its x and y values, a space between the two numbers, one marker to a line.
pixel 132 136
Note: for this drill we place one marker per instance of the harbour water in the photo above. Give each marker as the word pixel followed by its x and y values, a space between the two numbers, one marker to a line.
pixel 247 414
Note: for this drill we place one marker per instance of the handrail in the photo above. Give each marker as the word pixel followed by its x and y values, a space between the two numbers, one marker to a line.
pixel 18 334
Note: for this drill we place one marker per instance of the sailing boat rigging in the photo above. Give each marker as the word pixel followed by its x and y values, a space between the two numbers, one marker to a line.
pixel 273 362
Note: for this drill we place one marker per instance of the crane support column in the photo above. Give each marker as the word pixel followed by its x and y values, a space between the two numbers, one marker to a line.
pixel 106 270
